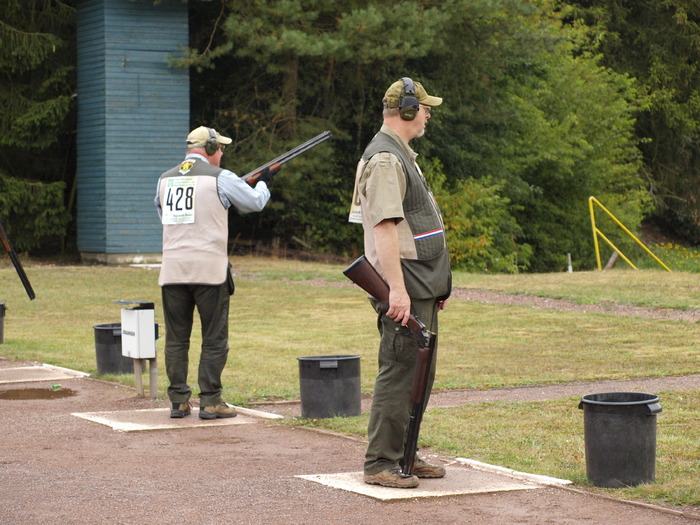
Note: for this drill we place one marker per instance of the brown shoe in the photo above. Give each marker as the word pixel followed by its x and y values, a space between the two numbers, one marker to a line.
pixel 214 412
pixel 180 410
pixel 392 478
pixel 422 469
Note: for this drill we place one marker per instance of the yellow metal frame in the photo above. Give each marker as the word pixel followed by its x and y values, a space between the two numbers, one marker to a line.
pixel 597 232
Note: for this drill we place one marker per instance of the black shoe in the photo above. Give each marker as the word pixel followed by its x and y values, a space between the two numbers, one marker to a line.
pixel 180 410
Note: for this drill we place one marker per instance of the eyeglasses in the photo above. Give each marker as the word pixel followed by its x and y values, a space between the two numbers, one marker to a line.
pixel 426 109
pixel 222 147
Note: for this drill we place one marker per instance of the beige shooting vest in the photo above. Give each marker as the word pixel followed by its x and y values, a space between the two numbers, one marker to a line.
pixel 195 225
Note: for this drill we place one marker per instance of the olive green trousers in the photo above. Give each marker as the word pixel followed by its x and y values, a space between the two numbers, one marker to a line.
pixel 212 303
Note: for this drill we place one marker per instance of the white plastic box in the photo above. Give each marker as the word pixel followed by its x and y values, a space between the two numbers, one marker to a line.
pixel 138 330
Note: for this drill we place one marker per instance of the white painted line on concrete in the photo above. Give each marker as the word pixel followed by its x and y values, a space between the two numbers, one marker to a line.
pixel 68 371
pixel 30 374
pixel 257 413
pixel 534 478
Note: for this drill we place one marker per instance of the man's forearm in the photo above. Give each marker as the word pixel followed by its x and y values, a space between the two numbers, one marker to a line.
pixel 387 245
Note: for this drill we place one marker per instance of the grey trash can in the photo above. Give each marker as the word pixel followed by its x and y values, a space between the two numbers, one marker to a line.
pixel 329 386
pixel 620 438
pixel 2 322
pixel 108 350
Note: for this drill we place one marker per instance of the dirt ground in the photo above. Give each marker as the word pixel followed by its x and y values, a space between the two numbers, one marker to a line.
pixel 58 468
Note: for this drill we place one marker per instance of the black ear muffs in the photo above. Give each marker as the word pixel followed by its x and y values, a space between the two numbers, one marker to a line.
pixel 408 103
pixel 212 144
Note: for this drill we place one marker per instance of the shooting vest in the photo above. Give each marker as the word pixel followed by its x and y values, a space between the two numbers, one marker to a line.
pixel 427 275
pixel 195 225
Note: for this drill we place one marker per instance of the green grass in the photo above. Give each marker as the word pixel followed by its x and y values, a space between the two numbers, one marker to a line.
pixel 648 288
pixel 286 309
pixel 546 437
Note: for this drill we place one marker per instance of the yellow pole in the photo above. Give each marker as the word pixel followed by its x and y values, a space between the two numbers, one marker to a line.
pixel 592 200
pixel 595 235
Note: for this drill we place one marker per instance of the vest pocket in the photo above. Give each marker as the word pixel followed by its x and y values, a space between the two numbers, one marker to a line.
pixel 428 278
pixel 429 243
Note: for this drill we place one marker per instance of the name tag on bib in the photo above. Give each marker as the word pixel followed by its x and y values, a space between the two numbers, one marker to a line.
pixel 178 207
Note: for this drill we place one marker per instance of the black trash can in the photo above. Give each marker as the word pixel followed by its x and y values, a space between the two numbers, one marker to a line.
pixel 2 322
pixel 620 438
pixel 108 350
pixel 329 385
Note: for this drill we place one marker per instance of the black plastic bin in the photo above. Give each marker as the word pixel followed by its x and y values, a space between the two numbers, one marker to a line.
pixel 108 350
pixel 2 322
pixel 620 438
pixel 329 386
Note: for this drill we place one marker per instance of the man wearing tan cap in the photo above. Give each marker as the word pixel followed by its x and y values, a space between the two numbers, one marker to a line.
pixel 404 240
pixel 192 201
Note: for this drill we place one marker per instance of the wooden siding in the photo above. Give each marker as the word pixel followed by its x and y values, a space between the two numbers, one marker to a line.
pixel 133 118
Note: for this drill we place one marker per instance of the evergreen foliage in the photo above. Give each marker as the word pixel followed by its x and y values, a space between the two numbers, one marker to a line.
pixel 531 123
pixel 546 103
pixel 658 43
pixel 31 211
pixel 37 67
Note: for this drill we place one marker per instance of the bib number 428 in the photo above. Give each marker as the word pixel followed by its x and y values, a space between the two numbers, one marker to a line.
pixel 179 202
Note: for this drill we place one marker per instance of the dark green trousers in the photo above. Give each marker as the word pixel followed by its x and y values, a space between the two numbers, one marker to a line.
pixel 212 302
pixel 391 405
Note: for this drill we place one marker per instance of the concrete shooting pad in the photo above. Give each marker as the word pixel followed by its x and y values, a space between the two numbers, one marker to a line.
pixel 159 419
pixel 44 372
pixel 464 476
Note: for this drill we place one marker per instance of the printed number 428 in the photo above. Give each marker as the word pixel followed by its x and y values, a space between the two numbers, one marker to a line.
pixel 180 199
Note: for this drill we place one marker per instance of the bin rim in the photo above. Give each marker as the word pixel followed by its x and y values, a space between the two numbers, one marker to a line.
pixel 328 357
pixel 652 398
pixel 106 326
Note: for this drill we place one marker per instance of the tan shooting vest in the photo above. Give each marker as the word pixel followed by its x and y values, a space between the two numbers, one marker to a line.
pixel 195 225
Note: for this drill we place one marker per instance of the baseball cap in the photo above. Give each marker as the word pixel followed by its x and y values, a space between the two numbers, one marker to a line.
pixel 393 95
pixel 198 137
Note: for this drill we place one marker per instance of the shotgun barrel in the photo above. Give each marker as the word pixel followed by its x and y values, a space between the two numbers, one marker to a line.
pixel 15 262
pixel 252 177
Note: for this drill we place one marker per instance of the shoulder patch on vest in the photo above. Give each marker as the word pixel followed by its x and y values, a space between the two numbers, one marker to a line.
pixel 186 166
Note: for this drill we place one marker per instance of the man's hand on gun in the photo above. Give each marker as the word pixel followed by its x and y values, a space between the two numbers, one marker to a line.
pixel 269 172
pixel 399 307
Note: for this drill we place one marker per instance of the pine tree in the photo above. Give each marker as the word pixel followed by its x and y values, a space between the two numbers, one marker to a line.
pixel 37 68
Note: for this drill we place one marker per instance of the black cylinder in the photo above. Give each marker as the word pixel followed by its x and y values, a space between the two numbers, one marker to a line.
pixel 329 386
pixel 108 350
pixel 620 438
pixel 2 322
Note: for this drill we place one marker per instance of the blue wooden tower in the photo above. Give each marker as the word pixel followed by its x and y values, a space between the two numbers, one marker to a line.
pixel 133 118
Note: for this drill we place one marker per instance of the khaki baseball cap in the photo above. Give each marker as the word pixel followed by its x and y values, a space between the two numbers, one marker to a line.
pixel 393 95
pixel 198 137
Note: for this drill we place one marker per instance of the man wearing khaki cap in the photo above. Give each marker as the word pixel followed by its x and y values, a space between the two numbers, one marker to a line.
pixel 192 201
pixel 404 239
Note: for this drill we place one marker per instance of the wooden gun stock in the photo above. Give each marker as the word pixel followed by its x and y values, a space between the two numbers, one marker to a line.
pixel 15 262
pixel 252 177
pixel 363 274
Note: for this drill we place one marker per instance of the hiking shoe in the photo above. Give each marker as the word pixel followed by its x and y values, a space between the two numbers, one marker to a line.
pixel 392 478
pixel 214 412
pixel 422 469
pixel 180 410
